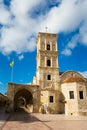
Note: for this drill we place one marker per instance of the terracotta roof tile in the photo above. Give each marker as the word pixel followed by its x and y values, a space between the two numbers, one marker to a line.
pixel 73 79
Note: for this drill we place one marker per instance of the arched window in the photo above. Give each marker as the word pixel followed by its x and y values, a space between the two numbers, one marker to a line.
pixel 71 93
pixel 48 77
pixel 48 47
pixel 51 99
pixel 48 63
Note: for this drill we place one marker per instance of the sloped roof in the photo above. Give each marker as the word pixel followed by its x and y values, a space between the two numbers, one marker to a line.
pixel 60 73
pixel 73 79
pixel 1 94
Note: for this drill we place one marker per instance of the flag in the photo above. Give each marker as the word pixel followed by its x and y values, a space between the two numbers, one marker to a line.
pixel 12 63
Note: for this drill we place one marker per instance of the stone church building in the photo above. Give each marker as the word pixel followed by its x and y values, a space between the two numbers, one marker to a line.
pixel 56 92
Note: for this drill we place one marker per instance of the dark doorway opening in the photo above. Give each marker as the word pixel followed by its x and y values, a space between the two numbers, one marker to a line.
pixel 23 101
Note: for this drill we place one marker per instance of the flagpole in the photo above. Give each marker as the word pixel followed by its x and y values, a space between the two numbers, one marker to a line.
pixel 12 74
pixel 12 71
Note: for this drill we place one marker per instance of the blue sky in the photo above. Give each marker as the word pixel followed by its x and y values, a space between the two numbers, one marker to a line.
pixel 20 23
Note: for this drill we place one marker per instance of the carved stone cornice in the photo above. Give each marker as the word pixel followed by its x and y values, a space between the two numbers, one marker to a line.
pixel 48 53
pixel 49 68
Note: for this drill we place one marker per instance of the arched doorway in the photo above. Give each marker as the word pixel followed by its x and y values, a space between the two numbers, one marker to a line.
pixel 23 100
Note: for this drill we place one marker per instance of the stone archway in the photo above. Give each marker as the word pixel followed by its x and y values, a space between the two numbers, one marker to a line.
pixel 23 99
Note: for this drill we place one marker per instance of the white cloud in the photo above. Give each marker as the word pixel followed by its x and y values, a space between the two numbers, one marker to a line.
pixel 1 83
pixel 4 14
pixel 21 57
pixel 71 45
pixel 16 39
pixel 81 20
pixel 84 74
pixel 21 80
pixel 66 52
pixel 66 17
pixel 21 27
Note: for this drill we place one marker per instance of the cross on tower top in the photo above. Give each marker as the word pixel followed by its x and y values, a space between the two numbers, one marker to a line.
pixel 46 29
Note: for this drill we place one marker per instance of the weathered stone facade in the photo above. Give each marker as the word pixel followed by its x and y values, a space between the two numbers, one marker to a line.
pixel 55 92
pixel 2 100
pixel 47 74
pixel 73 87
pixel 31 94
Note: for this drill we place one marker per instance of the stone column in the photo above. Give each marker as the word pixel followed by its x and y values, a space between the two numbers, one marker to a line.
pixel 36 101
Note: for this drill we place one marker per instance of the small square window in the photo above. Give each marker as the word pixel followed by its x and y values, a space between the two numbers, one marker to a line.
pixel 51 99
pixel 71 94
pixel 81 94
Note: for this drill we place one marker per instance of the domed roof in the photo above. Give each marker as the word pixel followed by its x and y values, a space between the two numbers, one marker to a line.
pixel 73 79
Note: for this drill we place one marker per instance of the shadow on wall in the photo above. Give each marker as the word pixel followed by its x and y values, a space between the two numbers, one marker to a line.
pixel 62 102
pixel 3 99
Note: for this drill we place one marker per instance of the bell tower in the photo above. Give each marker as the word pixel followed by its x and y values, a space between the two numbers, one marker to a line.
pixel 47 61
pixel 47 73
